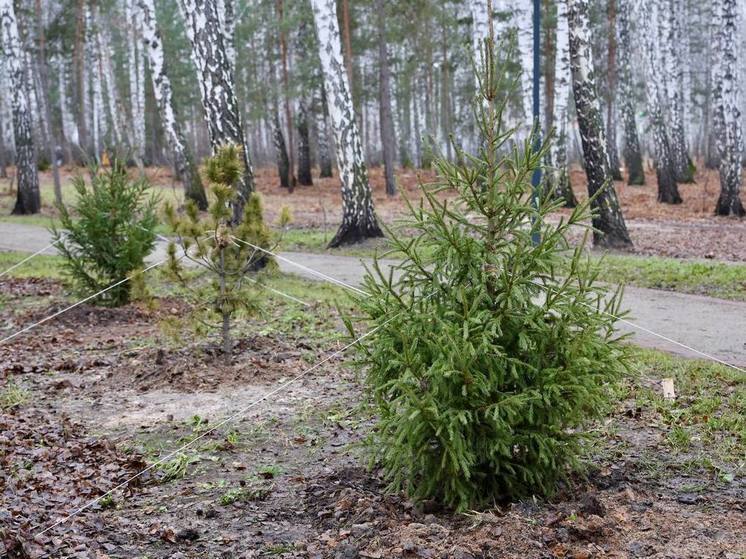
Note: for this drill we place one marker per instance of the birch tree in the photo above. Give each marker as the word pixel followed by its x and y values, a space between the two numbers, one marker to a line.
pixel 184 165
pixel 358 216
pixel 28 198
pixel 631 150
pixel 386 120
pixel 215 79
pixel 609 228
pixel 728 116
pixel 559 178
pixel 136 67
pixel 668 189
pixel 674 68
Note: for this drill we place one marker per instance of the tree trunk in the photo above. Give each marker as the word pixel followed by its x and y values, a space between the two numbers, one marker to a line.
pixel 683 168
pixel 281 152
pixel 286 94
pixel 135 65
pixel 304 146
pixel 608 223
pixel 668 189
pixel 325 158
pixel 28 199
pixel 386 120
pixel 727 109
pixel 347 38
pixel 358 216
pixel 41 61
pixel 631 150
pixel 79 63
pixel 184 166
pixel 559 178
pixel 611 73
pixel 216 85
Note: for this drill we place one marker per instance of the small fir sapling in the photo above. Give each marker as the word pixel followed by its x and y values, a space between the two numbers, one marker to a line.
pixel 106 234
pixel 490 355
pixel 221 247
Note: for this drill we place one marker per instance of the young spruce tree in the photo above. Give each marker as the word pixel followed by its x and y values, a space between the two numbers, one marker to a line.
pixel 227 250
pixel 490 353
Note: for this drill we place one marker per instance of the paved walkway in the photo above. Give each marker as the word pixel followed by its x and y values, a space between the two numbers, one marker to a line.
pixel 714 326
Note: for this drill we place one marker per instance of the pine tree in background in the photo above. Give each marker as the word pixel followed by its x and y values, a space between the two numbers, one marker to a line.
pixel 484 365
pixel 726 93
pixel 631 151
pixel 28 198
pixel 609 227
pixel 358 216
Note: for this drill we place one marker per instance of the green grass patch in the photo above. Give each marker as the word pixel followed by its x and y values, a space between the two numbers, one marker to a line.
pixel 41 266
pixel 714 279
pixel 706 422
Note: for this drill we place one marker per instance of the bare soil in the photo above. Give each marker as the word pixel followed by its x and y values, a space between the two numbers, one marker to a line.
pixel 107 395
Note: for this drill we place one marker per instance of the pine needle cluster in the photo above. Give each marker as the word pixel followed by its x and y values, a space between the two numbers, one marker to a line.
pixel 490 356
pixel 226 250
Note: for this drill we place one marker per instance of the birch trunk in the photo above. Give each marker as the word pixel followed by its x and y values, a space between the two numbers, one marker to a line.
pixel 675 77
pixel 386 119
pixel 42 74
pixel 559 177
pixel 608 222
pixel 631 150
pixel 304 146
pixel 668 190
pixel 358 216
pixel 28 199
pixel 727 109
pixel 184 165
pixel 215 79
pixel 322 124
pixel 136 66
pixel 611 72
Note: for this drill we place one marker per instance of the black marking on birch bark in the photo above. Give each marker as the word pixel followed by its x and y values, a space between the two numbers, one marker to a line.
pixel 608 223
pixel 358 216
pixel 727 110
pixel 631 149
pixel 184 165
pixel 215 78
pixel 28 198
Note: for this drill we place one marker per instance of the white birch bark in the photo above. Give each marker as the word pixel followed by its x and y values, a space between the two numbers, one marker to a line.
pixel 728 116
pixel 110 84
pixel 163 93
pixel 653 26
pixel 523 18
pixel 358 217
pixel 610 229
pixel 206 33
pixel 28 200
pixel 560 179
pixel 136 68
pixel 69 128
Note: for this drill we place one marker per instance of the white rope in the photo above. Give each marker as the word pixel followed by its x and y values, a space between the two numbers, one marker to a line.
pixel 305 268
pixel 58 313
pixel 22 262
pixel 649 331
pixel 225 421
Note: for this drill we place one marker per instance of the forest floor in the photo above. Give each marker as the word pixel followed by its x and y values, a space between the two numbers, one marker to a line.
pixel 688 230
pixel 90 399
